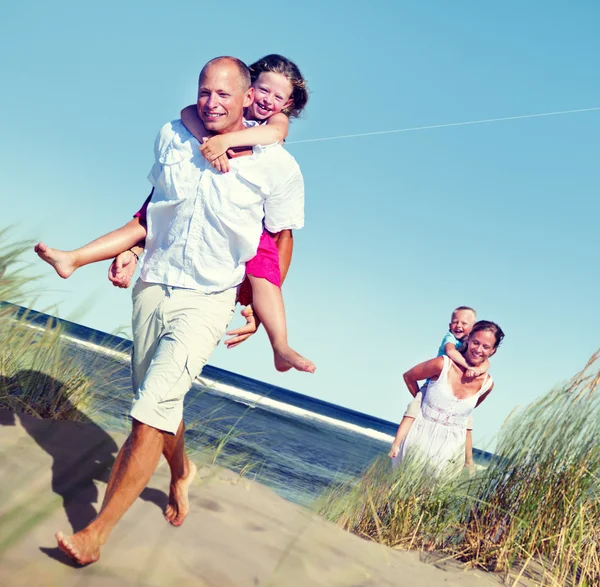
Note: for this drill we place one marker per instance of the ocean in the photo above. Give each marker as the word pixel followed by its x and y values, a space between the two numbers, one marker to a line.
pixel 295 444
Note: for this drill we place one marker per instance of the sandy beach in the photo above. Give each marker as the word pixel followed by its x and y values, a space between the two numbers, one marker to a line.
pixel 238 532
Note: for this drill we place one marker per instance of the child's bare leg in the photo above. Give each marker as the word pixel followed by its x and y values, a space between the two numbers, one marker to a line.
pixel 401 434
pixel 268 303
pixel 101 249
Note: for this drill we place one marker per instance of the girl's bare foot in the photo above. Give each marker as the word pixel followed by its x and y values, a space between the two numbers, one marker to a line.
pixel 81 547
pixel 179 503
pixel 62 261
pixel 286 358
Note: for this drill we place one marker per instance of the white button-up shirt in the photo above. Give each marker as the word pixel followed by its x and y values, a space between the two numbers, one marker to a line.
pixel 204 225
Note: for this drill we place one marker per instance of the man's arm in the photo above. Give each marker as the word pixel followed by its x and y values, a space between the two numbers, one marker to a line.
pixel 285 246
pixel 123 266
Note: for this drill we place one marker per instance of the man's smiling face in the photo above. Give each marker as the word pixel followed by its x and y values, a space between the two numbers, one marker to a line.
pixel 222 97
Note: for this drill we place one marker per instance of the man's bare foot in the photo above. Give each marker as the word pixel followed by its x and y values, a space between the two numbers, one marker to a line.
pixel 81 547
pixel 286 358
pixel 62 261
pixel 179 503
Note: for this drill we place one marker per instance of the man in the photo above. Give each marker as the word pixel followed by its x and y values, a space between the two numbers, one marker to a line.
pixel 202 228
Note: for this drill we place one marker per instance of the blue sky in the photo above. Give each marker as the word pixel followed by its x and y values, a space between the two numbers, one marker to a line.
pixel 400 228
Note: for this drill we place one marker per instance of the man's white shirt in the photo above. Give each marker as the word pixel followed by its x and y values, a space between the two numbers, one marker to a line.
pixel 204 225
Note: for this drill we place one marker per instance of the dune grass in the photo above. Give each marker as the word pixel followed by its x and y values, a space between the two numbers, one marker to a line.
pixel 41 375
pixel 534 511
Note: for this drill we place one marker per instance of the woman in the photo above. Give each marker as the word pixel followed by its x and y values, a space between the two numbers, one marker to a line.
pixel 438 433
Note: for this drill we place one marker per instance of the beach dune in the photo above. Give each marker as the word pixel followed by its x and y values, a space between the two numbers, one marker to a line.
pixel 53 476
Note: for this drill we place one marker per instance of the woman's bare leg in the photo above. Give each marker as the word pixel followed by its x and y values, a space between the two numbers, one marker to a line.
pixel 101 249
pixel 268 303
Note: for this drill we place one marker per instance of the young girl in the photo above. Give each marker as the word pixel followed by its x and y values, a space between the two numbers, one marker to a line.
pixel 279 94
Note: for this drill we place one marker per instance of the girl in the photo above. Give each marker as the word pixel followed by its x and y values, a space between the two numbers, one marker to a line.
pixel 279 93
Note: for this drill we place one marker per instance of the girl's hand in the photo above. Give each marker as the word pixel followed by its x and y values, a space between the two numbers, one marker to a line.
pixel 394 451
pixel 221 163
pixel 471 374
pixel 214 147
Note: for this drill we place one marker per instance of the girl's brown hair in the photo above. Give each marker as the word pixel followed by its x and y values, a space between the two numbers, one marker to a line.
pixel 279 64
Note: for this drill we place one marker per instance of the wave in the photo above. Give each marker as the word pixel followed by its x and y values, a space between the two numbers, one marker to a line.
pixel 257 400
pixel 248 398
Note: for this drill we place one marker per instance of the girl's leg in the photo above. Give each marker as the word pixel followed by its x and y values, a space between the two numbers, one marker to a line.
pixel 101 249
pixel 268 303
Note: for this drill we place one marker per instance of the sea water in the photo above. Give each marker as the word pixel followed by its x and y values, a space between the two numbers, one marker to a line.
pixel 295 444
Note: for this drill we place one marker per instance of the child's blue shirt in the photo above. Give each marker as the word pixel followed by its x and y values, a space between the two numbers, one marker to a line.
pixel 449 338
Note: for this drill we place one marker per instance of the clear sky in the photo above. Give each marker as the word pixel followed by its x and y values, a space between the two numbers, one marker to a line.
pixel 400 228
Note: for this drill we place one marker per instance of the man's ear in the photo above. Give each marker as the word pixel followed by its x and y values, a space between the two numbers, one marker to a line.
pixel 249 97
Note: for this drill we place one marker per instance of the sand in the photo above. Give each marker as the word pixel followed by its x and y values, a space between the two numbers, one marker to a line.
pixel 53 476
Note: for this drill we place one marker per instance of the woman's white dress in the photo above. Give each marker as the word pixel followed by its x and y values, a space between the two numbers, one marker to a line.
pixel 438 433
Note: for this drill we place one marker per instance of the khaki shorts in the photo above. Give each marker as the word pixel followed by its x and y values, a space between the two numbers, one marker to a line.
pixel 414 407
pixel 175 331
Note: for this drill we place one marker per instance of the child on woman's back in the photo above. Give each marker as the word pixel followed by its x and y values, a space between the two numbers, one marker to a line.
pixel 461 323
pixel 279 92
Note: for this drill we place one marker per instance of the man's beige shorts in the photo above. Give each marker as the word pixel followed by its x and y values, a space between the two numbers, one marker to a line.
pixel 175 331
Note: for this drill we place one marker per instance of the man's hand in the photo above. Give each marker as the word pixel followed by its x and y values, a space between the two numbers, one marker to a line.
pixel 244 332
pixel 122 269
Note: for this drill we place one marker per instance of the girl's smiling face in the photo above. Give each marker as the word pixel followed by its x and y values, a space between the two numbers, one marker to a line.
pixel 272 93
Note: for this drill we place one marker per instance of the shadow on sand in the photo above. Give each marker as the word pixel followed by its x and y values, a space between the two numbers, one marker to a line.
pixel 82 452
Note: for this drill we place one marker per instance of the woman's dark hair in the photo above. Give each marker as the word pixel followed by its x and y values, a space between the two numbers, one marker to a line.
pixel 279 64
pixel 492 327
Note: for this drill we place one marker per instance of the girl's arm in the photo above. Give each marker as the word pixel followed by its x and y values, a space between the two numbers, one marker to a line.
pixel 189 117
pixel 275 131
pixel 428 370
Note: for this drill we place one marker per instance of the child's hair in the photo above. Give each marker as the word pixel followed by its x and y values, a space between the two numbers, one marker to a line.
pixel 279 64
pixel 463 309
pixel 492 327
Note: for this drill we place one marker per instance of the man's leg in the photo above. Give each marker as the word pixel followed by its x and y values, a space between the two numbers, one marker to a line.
pixel 183 472
pixel 135 464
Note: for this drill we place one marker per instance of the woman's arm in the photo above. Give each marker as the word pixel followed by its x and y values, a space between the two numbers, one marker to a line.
pixel 275 131
pixel 482 397
pixel 428 370
pixel 189 117
pixel 469 449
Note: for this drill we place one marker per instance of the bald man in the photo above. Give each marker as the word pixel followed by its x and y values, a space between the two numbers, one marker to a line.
pixel 202 228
